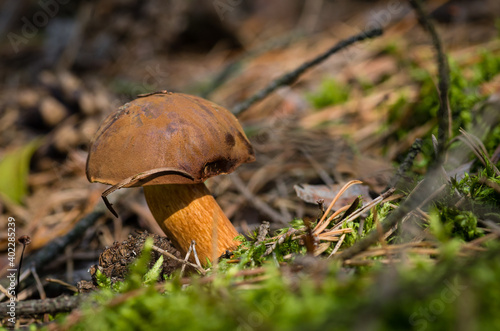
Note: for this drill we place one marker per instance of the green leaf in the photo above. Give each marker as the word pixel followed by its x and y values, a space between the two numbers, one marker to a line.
pixel 330 92
pixel 152 275
pixel 14 169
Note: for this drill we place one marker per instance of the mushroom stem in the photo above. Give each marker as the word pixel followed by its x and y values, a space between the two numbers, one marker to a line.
pixel 188 212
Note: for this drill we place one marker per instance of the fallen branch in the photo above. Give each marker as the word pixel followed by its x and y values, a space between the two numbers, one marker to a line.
pixel 46 306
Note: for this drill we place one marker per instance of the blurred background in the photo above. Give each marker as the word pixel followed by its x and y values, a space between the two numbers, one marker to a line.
pixel 65 65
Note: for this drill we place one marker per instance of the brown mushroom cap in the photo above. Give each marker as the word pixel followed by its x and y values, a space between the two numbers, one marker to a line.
pixel 167 129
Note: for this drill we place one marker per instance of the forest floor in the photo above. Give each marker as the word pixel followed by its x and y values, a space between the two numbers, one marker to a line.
pixel 431 254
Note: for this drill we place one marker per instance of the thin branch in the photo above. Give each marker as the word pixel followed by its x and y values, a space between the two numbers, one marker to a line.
pixel 46 254
pixel 62 283
pixel 281 239
pixel 290 77
pixel 336 248
pixel 263 231
pixel 6 293
pixel 188 254
pixel 407 163
pixel 39 285
pixel 196 254
pixel 173 257
pixel 54 248
pixel 444 113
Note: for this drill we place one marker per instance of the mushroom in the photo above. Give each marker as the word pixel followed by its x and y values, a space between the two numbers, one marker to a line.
pixel 170 143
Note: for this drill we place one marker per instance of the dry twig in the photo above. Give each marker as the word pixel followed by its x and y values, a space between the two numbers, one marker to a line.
pixel 322 224
pixel 173 257
pixel 47 306
pixel 444 113
pixel 337 246
pixel 263 231
pixel 63 283
pixel 193 243
pixel 407 163
pixel 186 259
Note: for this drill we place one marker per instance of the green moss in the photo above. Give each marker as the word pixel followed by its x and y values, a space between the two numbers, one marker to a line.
pixel 330 93
pixel 487 67
pixel 397 108
pixel 451 222
pixel 474 187
pixel 422 293
pixel 430 296
pixel 466 103
pixel 492 140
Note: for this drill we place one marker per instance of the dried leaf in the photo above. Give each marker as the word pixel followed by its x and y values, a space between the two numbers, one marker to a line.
pixel 313 193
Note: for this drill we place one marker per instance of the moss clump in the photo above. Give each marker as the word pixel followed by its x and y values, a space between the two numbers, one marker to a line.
pixel 330 93
pixel 430 296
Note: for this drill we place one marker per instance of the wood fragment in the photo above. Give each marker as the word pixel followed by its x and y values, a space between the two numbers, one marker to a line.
pixel 47 306
pixel 280 240
pixel 263 231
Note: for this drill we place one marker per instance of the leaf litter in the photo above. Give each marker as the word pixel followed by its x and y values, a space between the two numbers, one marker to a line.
pixel 296 144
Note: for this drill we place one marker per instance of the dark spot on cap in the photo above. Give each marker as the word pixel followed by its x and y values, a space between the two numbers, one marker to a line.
pixel 217 167
pixel 247 145
pixel 230 140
